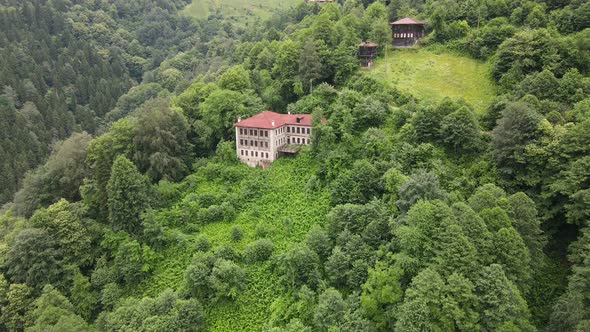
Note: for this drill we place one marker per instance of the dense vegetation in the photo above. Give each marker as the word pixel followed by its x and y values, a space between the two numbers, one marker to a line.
pixel 406 213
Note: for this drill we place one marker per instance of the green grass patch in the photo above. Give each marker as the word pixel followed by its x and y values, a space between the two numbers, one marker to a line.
pixel 240 10
pixel 432 76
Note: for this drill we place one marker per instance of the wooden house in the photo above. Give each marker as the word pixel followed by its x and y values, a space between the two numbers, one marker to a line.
pixel 367 52
pixel 406 32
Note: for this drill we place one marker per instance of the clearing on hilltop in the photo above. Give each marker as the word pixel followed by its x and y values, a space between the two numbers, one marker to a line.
pixel 240 10
pixel 434 76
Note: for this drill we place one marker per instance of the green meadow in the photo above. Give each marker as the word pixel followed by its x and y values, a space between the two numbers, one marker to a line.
pixel 240 10
pixel 433 76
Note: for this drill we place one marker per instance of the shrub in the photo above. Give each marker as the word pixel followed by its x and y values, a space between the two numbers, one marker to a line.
pixel 236 233
pixel 258 251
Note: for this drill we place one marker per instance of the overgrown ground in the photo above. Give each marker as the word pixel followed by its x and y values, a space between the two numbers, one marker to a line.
pixel 433 76
pixel 240 10
pixel 283 206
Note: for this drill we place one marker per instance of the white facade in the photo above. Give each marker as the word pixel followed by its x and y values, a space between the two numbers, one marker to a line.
pixel 260 146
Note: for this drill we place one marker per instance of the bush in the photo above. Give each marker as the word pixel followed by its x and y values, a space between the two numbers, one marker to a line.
pixel 202 243
pixel 236 233
pixel 258 251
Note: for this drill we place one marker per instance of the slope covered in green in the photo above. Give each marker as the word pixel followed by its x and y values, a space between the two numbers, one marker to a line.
pixel 276 204
pixel 423 203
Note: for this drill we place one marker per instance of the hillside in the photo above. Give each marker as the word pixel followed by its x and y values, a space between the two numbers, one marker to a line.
pixel 279 206
pixel 437 192
pixel 435 75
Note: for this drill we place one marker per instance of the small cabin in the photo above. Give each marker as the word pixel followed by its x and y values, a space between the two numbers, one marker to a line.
pixel 406 32
pixel 367 52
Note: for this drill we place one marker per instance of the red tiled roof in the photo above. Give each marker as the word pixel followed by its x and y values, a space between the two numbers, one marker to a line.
pixel 368 44
pixel 271 120
pixel 407 20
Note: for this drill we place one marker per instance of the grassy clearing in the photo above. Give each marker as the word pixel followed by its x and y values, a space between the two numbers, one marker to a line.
pixel 240 10
pixel 432 76
pixel 285 207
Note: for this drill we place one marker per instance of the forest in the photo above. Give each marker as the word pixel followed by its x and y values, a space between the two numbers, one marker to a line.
pixel 451 203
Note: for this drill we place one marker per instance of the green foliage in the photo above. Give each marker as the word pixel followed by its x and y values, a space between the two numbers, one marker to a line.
pixel 500 301
pixel 298 266
pixel 460 130
pixel 381 292
pixel 236 234
pixel 227 279
pixel 161 143
pixel 357 185
pixel 259 250
pixel 236 78
pixel 127 196
pixel 166 312
pixel 34 258
pixel 53 312
pixel 63 222
pixel 361 211
pixel 421 185
pixel 329 311
pixel 518 126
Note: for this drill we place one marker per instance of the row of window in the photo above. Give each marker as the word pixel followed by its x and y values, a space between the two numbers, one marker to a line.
pixel 403 35
pixel 297 140
pixel 280 141
pixel 264 133
pixel 253 154
pixel 254 132
pixel 298 130
pixel 244 142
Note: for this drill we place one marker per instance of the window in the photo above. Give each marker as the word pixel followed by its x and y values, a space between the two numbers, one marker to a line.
pixel 251 143
pixel 266 133
pixel 266 144
pixel 256 143
pixel 308 131
pixel 267 155
pixel 256 153
pixel 288 141
pixel 288 129
pixel 298 140
pixel 241 142
pixel 255 132
pixel 240 131
pixel 298 130
pixel 241 152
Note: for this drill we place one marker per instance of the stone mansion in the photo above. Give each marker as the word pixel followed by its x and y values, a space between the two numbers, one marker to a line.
pixel 261 138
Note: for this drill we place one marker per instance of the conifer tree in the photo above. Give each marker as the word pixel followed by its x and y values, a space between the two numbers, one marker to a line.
pixel 127 196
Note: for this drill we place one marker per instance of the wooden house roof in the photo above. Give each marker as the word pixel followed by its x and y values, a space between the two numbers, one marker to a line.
pixel 368 44
pixel 407 21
